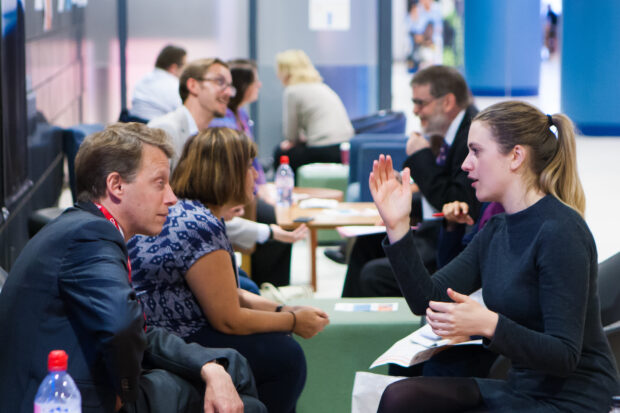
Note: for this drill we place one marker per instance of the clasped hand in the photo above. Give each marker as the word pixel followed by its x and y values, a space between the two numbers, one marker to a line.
pixel 464 317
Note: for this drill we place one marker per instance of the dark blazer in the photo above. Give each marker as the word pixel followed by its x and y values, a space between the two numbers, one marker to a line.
pixel 447 183
pixel 69 289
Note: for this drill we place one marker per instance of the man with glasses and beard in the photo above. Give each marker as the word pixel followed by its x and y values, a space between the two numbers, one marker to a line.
pixel 442 102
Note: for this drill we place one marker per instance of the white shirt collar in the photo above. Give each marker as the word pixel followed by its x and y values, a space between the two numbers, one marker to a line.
pixel 454 127
pixel 191 123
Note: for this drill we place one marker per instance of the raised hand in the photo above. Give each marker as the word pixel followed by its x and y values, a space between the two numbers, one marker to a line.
pixel 392 196
pixel 464 317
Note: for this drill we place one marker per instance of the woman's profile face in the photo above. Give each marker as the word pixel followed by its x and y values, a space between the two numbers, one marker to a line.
pixel 486 165
pixel 251 93
pixel 250 179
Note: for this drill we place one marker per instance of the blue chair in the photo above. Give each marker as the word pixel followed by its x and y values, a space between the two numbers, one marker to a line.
pixel 355 179
pixel 384 121
pixel 72 139
pixel 371 151
pixel 358 140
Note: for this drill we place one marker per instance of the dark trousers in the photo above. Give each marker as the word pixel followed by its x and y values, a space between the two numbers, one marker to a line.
pixel 301 154
pixel 457 361
pixel 370 274
pixel 271 261
pixel 165 392
pixel 276 359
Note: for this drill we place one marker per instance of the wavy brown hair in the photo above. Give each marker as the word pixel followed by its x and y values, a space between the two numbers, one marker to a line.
pixel 213 167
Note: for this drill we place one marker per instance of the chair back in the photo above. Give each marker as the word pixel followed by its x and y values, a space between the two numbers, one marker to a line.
pixel 367 155
pixel 609 289
pixel 358 140
pixel 384 121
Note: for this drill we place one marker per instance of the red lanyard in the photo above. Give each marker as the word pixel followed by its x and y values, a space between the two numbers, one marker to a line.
pixel 110 218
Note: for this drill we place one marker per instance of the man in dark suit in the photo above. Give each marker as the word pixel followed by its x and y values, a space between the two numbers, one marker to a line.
pixel 70 289
pixel 442 102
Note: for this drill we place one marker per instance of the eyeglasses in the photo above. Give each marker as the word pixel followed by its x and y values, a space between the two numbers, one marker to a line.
pixel 221 84
pixel 422 103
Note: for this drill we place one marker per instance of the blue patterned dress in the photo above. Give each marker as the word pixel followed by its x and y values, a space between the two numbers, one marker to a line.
pixel 159 265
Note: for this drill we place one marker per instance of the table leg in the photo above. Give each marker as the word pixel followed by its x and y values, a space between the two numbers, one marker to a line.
pixel 314 242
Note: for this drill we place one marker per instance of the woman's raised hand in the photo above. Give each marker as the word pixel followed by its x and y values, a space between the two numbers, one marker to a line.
pixel 392 196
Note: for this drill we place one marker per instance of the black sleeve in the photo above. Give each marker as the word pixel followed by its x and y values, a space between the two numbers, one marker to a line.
pixel 462 274
pixel 564 266
pixel 169 352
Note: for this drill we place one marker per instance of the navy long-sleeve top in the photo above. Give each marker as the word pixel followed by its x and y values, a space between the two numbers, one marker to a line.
pixel 538 270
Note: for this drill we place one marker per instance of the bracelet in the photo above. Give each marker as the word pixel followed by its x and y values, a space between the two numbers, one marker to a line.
pixel 279 308
pixel 270 232
pixel 294 321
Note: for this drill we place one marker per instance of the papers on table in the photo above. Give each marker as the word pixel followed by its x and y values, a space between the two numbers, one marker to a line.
pixel 366 212
pixel 318 203
pixel 358 230
pixel 381 307
pixel 421 345
pixel 417 347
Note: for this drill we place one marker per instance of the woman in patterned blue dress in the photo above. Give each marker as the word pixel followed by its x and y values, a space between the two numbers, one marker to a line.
pixel 186 276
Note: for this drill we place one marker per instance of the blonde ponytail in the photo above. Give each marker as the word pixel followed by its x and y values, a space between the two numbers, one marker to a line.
pixel 560 177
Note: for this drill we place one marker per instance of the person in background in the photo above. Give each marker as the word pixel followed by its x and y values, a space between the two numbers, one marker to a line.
pixel 271 260
pixel 314 119
pixel 536 265
pixel 186 277
pixel 206 88
pixel 157 93
pixel 442 101
pixel 70 289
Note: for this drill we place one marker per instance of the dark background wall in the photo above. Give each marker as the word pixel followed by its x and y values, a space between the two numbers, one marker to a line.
pixel 52 59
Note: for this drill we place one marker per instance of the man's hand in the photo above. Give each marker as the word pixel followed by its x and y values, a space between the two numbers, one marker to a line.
pixel 289 237
pixel 416 142
pixel 285 145
pixel 456 213
pixel 220 395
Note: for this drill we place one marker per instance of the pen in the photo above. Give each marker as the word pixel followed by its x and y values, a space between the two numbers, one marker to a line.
pixel 438 215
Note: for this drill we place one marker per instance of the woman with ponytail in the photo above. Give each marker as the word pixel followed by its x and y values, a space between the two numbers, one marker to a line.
pixel 536 264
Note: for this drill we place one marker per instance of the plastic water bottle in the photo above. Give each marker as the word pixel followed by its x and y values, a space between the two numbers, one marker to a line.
pixel 285 182
pixel 58 392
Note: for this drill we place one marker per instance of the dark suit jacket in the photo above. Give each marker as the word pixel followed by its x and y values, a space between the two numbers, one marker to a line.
pixel 69 290
pixel 447 183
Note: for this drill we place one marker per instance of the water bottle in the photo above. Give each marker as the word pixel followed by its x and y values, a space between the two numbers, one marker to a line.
pixel 285 181
pixel 58 392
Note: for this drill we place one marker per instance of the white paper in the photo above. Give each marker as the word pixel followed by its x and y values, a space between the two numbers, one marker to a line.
pixel 421 345
pixel 318 203
pixel 358 230
pixel 361 307
pixel 329 14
